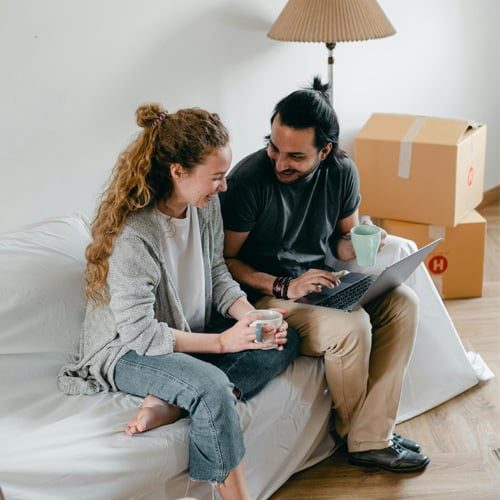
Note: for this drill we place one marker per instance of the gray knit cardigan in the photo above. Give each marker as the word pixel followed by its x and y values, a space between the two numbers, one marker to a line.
pixel 144 302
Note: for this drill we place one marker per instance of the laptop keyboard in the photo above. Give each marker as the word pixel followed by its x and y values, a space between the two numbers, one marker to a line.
pixel 347 297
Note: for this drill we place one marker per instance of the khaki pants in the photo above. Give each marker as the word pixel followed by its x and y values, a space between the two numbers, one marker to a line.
pixel 366 355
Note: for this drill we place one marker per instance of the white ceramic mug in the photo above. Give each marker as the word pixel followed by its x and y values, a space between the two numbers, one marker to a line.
pixel 263 317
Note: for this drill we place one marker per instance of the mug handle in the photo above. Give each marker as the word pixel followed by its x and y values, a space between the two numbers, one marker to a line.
pixel 258 332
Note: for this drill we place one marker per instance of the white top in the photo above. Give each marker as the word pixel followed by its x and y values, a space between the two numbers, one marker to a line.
pixel 181 245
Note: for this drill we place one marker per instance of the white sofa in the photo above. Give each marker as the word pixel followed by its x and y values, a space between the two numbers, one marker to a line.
pixel 54 446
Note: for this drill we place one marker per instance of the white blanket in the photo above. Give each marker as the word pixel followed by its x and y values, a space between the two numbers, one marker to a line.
pixel 54 446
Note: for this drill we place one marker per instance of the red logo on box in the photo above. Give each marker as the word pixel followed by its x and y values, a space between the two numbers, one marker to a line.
pixel 470 175
pixel 438 264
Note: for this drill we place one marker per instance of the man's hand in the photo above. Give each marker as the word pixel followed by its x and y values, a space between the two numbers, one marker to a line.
pixel 345 251
pixel 313 280
pixel 383 237
pixel 383 234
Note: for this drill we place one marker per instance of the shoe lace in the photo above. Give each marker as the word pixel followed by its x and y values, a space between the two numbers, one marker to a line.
pixel 398 448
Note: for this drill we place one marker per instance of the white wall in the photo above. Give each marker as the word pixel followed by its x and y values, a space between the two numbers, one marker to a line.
pixel 73 73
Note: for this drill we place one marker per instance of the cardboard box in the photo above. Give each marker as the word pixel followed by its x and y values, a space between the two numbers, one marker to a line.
pixel 420 169
pixel 456 264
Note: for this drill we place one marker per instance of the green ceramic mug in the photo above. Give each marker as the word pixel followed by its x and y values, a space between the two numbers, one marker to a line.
pixel 366 241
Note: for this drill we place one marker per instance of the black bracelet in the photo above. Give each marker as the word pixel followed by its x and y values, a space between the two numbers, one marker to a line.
pixel 277 287
pixel 280 287
pixel 285 287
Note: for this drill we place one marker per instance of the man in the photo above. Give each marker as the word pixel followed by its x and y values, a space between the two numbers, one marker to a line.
pixel 286 207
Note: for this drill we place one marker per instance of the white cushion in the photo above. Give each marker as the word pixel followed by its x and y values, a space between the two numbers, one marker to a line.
pixel 42 286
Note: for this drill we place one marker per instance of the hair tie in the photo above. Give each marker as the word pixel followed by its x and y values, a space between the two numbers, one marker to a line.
pixel 160 118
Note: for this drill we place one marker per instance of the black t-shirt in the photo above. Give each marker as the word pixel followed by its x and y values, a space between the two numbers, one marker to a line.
pixel 291 225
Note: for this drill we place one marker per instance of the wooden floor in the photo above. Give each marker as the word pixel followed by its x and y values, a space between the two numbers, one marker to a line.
pixel 459 435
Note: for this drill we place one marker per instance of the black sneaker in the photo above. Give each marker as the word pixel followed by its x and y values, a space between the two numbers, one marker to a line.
pixel 395 458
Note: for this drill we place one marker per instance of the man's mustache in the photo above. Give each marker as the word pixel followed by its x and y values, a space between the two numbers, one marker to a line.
pixel 286 172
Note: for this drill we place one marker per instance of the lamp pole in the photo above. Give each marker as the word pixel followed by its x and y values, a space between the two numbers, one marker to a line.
pixel 330 46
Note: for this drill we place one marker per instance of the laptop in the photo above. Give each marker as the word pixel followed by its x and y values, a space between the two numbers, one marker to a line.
pixel 357 289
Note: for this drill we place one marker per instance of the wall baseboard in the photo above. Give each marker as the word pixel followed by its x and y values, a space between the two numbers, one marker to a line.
pixel 490 196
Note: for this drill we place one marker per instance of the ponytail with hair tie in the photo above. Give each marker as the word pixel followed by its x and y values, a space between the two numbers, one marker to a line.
pixel 160 118
pixel 320 88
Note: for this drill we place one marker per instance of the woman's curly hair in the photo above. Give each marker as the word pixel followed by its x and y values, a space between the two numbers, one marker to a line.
pixel 141 177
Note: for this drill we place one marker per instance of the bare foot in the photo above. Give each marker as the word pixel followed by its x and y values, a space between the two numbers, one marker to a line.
pixel 153 413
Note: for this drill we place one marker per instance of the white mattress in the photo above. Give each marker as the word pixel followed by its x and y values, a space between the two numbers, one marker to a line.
pixel 59 447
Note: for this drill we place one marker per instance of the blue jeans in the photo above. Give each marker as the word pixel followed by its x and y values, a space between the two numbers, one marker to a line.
pixel 203 386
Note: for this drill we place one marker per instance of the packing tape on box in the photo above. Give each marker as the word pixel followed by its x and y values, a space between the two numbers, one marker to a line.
pixel 474 126
pixel 436 232
pixel 406 147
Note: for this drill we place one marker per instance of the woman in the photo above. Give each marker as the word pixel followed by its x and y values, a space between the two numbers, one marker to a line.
pixel 155 273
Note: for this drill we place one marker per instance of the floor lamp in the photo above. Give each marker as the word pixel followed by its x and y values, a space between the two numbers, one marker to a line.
pixel 330 21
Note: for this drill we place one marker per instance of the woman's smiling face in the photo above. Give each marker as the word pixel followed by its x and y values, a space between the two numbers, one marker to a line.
pixel 199 185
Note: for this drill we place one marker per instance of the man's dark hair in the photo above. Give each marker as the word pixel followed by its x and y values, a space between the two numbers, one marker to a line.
pixel 311 108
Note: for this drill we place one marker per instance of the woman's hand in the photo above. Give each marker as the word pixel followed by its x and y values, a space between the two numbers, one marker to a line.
pixel 280 337
pixel 241 337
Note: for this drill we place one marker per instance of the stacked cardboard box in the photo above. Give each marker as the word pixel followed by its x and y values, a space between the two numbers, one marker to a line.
pixel 422 178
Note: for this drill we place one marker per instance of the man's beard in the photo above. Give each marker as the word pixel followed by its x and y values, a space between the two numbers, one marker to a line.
pixel 301 176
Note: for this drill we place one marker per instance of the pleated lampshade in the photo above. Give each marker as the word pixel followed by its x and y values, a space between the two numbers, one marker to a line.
pixel 330 21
